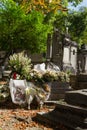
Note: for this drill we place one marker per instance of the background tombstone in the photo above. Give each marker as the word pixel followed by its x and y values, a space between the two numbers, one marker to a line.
pixel 57 49
pixel 69 55
pixel 49 50
pixel 82 59
pixel 49 47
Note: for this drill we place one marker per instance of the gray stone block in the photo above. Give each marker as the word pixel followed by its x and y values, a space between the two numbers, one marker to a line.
pixel 68 115
pixel 78 97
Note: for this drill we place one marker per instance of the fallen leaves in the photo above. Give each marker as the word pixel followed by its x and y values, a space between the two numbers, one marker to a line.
pixel 16 118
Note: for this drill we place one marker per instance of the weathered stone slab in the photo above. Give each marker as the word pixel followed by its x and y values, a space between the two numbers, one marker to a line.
pixel 82 77
pixel 82 85
pixel 71 116
pixel 78 81
pixel 58 90
pixel 57 96
pixel 78 97
pixel 60 84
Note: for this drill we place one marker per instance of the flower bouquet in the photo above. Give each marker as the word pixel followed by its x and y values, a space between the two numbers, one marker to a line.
pixel 20 65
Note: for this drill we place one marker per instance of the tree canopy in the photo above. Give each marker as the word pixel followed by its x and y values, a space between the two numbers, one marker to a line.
pixel 78 25
pixel 24 24
pixel 76 22
pixel 21 30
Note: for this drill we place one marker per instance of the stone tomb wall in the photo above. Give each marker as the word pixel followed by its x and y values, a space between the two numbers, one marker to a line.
pixel 78 81
pixel 58 90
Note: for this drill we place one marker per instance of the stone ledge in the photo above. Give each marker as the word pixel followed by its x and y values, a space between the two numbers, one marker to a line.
pixel 71 116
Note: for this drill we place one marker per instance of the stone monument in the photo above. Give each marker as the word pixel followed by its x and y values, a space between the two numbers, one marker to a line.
pixel 57 51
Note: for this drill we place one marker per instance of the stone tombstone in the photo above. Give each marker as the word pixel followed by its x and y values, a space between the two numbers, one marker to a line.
pixel 85 55
pixel 57 48
pixel 74 55
pixel 66 55
pixel 86 65
pixel 49 48
pixel 82 59
pixel 69 55
pixel 58 90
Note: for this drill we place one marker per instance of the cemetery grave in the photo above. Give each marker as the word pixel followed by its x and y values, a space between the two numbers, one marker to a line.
pixel 65 106
pixel 14 116
pixel 70 112
pixel 66 114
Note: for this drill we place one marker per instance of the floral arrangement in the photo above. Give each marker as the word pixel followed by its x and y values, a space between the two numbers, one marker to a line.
pixel 48 76
pixel 21 69
pixel 36 77
pixel 20 65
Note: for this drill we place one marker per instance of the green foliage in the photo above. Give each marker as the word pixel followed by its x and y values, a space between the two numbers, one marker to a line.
pixel 10 18
pixel 75 2
pixel 26 30
pixel 19 30
pixel 78 26
pixel 76 21
pixel 60 21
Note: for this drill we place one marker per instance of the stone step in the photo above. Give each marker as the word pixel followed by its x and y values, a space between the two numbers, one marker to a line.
pixel 72 109
pixel 55 121
pixel 68 115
